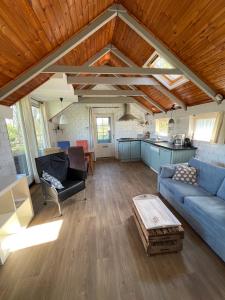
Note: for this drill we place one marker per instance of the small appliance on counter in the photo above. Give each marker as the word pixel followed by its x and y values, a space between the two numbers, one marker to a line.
pixel 178 139
pixel 187 142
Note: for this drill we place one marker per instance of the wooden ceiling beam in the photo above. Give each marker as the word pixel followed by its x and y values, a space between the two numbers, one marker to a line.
pixel 110 80
pixel 109 93
pixel 55 55
pixel 109 70
pixel 166 53
pixel 159 87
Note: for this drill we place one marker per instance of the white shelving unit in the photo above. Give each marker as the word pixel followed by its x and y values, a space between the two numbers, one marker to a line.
pixel 16 209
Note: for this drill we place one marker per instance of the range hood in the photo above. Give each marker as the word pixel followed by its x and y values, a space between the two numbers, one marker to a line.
pixel 127 116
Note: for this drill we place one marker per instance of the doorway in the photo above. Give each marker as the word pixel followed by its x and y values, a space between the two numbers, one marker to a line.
pixel 104 135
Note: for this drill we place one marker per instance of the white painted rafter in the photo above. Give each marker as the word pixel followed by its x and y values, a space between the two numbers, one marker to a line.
pixel 109 93
pixel 161 88
pixel 110 80
pixel 106 100
pixel 110 70
pixel 55 55
pixel 166 53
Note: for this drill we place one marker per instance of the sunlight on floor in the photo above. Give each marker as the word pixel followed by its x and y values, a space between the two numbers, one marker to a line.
pixel 35 235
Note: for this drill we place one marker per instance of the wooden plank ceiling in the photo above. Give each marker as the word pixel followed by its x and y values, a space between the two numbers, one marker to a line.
pixel 193 30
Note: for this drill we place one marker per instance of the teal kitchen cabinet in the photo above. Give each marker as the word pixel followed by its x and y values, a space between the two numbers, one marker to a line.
pixel 124 151
pixel 165 156
pixel 129 150
pixel 135 150
pixel 155 158
pixel 144 154
pixel 148 154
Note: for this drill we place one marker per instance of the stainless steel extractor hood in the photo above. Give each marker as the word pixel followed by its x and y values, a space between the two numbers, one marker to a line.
pixel 127 116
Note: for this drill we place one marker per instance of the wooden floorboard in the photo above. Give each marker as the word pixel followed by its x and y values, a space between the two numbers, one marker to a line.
pixel 98 254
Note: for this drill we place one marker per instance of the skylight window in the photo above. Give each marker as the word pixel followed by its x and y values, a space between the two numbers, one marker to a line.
pixel 169 80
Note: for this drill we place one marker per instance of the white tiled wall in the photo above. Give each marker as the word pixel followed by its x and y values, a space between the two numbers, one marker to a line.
pixel 7 166
pixel 78 127
pixel 208 152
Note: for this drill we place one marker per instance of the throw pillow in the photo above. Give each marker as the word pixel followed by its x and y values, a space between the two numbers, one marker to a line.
pixel 54 182
pixel 185 174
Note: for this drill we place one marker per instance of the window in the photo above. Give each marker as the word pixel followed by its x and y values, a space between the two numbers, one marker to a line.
pixel 203 127
pixel 17 139
pixel 39 126
pixel 169 80
pixel 103 130
pixel 162 126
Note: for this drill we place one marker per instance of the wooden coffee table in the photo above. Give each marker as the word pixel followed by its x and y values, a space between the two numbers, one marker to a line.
pixel 159 229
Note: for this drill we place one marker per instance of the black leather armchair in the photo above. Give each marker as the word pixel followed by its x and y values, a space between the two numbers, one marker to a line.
pixel 57 165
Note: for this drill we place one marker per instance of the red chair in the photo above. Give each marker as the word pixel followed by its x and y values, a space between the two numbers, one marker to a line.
pixel 88 154
pixel 82 143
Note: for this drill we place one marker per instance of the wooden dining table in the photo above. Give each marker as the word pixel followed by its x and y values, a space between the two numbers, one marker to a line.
pixel 89 153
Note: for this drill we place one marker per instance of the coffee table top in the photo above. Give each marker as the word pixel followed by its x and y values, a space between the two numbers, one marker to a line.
pixel 154 213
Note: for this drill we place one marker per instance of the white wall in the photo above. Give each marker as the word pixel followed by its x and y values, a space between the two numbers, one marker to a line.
pixel 213 153
pixel 78 118
pixel 7 166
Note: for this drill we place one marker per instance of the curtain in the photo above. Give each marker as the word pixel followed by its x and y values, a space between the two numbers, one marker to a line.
pixel 218 135
pixel 26 110
pixel 91 130
pixel 45 124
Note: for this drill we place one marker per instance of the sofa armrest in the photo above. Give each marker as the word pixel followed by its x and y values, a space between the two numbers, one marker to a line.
pixel 167 171
pixel 75 174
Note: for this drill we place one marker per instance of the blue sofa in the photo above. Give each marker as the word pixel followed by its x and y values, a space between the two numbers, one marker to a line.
pixel 203 206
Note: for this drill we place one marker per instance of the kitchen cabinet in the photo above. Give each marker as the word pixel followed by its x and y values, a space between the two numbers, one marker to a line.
pixel 129 150
pixel 135 150
pixel 155 158
pixel 152 154
pixel 124 151
pixel 146 153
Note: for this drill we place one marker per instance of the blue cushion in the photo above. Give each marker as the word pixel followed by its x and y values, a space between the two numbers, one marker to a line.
pixel 167 171
pixel 221 191
pixel 180 189
pixel 211 210
pixel 210 177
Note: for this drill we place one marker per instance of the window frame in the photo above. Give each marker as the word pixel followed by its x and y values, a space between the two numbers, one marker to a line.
pixel 164 78
pixel 157 125
pixel 203 116
pixel 108 141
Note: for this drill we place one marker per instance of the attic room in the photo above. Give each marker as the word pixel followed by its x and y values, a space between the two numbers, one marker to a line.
pixel 112 143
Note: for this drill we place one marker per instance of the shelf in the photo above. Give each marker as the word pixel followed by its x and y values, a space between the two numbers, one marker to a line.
pixel 5 217
pixel 20 201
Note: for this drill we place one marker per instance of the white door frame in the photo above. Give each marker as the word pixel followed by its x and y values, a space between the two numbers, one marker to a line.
pixel 102 115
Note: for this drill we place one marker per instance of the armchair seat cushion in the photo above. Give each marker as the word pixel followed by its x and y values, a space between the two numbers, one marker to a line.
pixel 71 187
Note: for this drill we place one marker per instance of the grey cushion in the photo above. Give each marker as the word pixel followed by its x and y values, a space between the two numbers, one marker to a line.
pixel 54 182
pixel 185 174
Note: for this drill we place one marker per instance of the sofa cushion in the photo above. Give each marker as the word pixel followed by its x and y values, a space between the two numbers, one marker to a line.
pixel 181 190
pixel 211 210
pixel 221 191
pixel 210 177
pixel 185 174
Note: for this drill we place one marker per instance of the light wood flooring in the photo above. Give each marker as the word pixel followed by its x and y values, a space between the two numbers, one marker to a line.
pixel 98 254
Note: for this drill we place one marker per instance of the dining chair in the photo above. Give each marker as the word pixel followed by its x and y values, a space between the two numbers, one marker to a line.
pixel 77 158
pixel 64 145
pixel 83 143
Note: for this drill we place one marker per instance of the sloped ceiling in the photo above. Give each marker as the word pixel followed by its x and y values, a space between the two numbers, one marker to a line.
pixel 193 30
